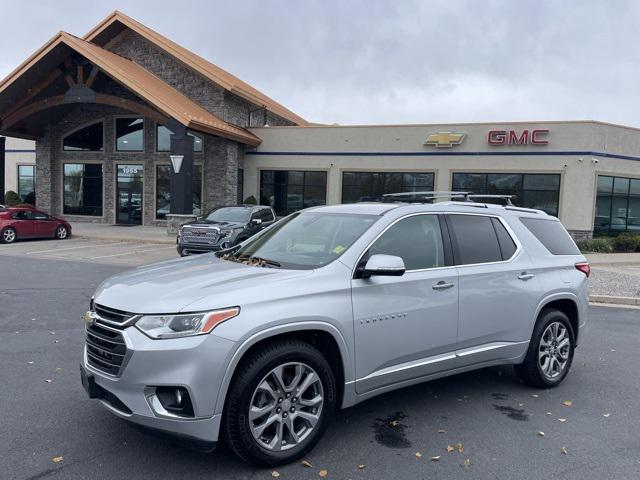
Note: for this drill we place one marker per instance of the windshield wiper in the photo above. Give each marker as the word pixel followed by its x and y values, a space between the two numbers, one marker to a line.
pixel 249 260
pixel 265 261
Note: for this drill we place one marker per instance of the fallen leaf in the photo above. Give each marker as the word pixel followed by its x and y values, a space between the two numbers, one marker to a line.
pixel 564 450
pixel 52 333
pixel 541 434
pixel 30 363
pixel 562 420
pixel 450 449
pixel 460 447
pixel 57 459
pixel 521 404
pixel 606 415
pixel 418 455
pixel 442 431
pixel 55 341
pixel 306 463
pixel 323 473
pixel 435 458
pixel 466 463
pixel 567 403
pixel 393 423
pixel 48 380
pixel 361 466
pixel 549 413
pixel 613 349
pixel 275 473
pixel 58 369
pixel 535 396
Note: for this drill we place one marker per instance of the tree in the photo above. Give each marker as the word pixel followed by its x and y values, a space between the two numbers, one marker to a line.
pixel 12 199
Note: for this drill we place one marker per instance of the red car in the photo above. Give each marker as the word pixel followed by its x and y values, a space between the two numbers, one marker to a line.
pixel 18 223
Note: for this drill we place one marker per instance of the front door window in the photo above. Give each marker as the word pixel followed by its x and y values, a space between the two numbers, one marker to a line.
pixel 129 194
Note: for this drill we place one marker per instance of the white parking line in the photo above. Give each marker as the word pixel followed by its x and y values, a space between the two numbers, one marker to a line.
pixel 76 248
pixel 130 253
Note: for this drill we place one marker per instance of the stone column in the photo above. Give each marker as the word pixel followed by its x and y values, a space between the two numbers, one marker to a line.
pixel 45 172
pixel 2 183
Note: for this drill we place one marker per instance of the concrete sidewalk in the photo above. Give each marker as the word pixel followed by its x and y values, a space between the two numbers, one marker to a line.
pixel 596 259
pixel 138 233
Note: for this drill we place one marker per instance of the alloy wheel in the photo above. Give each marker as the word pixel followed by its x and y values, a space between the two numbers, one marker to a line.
pixel 554 350
pixel 9 235
pixel 61 233
pixel 286 406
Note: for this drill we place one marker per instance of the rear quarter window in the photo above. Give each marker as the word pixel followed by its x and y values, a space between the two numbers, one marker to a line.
pixel 552 234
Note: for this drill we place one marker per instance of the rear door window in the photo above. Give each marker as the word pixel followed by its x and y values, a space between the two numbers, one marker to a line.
pixel 474 238
pixel 552 234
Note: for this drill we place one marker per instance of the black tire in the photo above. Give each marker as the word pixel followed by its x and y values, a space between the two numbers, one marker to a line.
pixel 235 421
pixel 531 371
pixel 6 237
pixel 62 233
pixel 181 252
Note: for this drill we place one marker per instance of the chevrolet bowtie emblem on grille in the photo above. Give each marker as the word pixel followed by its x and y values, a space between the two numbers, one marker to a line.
pixel 89 318
pixel 444 139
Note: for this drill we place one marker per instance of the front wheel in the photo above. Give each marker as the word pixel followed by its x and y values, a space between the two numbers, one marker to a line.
pixel 8 235
pixel 550 352
pixel 280 403
pixel 62 232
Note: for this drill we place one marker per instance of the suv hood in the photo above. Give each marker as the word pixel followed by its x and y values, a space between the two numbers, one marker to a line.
pixel 207 223
pixel 172 286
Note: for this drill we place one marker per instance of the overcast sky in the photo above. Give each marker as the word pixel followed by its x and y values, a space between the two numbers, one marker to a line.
pixel 392 61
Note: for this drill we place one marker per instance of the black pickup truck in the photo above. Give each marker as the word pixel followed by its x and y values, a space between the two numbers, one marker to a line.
pixel 222 228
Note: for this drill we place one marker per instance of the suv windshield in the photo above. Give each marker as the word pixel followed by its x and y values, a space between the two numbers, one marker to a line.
pixel 229 214
pixel 306 240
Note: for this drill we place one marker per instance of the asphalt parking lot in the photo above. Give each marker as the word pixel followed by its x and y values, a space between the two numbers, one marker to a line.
pixel 112 252
pixel 493 423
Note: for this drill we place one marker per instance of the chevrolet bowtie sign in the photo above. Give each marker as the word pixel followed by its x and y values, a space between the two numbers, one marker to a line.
pixel 444 139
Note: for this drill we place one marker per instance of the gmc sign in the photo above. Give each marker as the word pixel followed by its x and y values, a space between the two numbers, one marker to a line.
pixel 512 137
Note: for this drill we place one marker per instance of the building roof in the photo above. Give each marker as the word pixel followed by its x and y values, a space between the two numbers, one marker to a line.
pixel 106 30
pixel 141 82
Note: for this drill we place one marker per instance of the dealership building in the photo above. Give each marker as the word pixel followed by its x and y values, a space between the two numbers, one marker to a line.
pixel 131 128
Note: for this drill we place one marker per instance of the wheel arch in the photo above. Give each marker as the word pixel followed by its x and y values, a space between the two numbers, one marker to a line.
pixel 567 303
pixel 324 336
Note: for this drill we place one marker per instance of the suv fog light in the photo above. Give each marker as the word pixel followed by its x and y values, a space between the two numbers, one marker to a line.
pixel 171 401
pixel 225 245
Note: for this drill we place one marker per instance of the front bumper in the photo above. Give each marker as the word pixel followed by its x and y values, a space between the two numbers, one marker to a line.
pixel 195 363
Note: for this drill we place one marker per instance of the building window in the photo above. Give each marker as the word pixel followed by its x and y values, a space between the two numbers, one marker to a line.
pixel 163 140
pixel 531 190
pixel 129 134
pixel 27 183
pixel 83 189
pixel 87 139
pixel 240 195
pixel 163 190
pixel 617 205
pixel 288 191
pixel 371 186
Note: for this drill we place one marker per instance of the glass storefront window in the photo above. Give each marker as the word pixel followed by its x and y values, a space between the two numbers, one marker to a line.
pixel 129 134
pixel 163 190
pixel 289 191
pixel 532 190
pixel 163 140
pixel 87 139
pixel 371 186
pixel 82 184
pixel 617 205
pixel 27 183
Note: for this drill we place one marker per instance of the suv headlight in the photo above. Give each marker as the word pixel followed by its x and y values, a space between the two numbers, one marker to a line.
pixel 226 233
pixel 183 325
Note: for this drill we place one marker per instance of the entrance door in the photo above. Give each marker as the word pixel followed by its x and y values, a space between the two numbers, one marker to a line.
pixel 129 194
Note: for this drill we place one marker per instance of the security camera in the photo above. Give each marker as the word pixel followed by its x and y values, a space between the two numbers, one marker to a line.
pixel 595 161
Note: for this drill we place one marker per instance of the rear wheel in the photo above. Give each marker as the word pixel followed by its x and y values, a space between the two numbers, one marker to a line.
pixel 550 351
pixel 8 235
pixel 279 404
pixel 62 232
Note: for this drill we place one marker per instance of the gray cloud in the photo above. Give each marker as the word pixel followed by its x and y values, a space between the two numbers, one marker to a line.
pixel 403 61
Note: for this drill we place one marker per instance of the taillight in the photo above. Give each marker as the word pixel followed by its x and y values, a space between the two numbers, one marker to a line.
pixel 584 267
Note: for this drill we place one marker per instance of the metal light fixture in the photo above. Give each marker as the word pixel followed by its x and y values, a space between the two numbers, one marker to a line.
pixel 176 162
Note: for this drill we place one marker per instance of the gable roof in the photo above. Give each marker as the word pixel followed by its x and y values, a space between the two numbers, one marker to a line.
pixel 141 82
pixel 105 31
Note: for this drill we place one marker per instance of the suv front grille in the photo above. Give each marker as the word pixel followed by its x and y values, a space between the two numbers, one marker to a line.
pixel 106 349
pixel 206 236
pixel 113 315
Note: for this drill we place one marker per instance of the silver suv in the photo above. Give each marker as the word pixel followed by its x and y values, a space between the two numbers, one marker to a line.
pixel 258 345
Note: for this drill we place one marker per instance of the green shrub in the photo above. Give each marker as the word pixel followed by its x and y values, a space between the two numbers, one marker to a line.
pixel 627 242
pixel 596 245
pixel 251 200
pixel 12 199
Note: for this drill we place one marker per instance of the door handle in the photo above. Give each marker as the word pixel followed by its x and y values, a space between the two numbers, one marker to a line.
pixel 442 285
pixel 524 276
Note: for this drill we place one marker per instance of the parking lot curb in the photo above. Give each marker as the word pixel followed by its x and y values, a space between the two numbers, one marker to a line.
pixel 157 241
pixel 615 300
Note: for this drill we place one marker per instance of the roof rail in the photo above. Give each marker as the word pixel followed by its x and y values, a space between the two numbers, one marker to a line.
pixel 422 196
pixel 506 198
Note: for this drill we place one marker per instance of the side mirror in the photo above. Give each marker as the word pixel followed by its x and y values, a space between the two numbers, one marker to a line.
pixel 387 265
pixel 256 221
